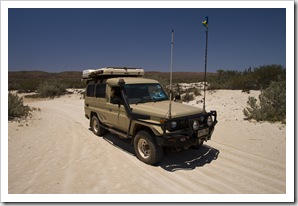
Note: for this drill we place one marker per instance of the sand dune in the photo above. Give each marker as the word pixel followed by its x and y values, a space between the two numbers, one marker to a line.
pixel 55 152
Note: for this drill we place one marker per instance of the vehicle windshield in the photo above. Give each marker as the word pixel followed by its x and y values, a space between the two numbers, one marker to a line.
pixel 142 93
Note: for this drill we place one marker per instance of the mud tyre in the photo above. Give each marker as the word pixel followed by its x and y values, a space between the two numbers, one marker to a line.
pixel 95 126
pixel 146 148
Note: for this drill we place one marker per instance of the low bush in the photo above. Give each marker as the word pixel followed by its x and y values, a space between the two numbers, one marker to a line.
pixel 51 89
pixel 272 106
pixel 16 107
pixel 250 79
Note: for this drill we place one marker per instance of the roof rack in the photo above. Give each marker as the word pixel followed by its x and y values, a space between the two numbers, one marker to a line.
pixel 112 72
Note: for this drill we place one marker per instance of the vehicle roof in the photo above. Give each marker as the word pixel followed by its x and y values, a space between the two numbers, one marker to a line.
pixel 131 80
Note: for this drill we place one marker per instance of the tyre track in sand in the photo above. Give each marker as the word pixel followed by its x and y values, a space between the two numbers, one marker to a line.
pixel 73 154
pixel 69 158
pixel 248 172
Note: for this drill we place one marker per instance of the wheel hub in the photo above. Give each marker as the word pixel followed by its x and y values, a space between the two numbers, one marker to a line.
pixel 144 148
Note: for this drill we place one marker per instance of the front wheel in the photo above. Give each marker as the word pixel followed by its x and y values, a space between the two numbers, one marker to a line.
pixel 147 149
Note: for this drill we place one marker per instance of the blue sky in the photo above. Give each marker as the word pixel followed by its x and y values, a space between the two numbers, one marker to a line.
pixel 56 40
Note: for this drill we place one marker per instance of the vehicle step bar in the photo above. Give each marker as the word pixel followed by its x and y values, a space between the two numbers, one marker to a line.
pixel 114 131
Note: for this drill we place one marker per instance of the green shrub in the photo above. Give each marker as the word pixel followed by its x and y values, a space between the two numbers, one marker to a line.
pixel 51 89
pixel 264 75
pixel 13 86
pixel 272 106
pixel 16 107
pixel 249 79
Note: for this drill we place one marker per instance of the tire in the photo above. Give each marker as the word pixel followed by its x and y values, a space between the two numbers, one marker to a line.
pixel 147 149
pixel 95 126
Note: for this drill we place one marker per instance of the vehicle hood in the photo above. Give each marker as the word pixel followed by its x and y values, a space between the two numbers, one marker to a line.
pixel 161 109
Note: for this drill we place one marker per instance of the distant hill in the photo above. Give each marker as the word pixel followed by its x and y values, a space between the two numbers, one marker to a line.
pixel 30 80
pixel 256 78
pixel 44 75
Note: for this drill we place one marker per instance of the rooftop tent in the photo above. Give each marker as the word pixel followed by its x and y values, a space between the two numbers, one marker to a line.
pixel 112 71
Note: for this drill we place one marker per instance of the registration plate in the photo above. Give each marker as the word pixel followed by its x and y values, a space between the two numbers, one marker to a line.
pixel 203 132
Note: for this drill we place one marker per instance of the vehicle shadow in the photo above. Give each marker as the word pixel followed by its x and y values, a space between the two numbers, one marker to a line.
pixel 173 160
pixel 188 159
pixel 123 144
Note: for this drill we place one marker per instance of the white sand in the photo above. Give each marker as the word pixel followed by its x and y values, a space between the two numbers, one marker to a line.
pixel 54 152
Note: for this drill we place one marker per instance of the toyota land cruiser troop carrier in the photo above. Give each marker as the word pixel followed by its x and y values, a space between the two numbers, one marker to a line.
pixel 121 101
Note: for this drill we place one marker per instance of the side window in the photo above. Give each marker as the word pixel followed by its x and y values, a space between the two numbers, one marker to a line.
pixel 115 95
pixel 100 90
pixel 90 90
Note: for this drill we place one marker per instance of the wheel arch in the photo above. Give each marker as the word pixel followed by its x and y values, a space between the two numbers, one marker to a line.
pixel 137 126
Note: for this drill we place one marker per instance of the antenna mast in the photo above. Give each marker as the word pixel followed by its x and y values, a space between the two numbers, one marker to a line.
pixel 170 103
pixel 205 23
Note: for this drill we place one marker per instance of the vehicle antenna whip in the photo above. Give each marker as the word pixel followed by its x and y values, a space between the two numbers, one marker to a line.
pixel 170 103
pixel 205 23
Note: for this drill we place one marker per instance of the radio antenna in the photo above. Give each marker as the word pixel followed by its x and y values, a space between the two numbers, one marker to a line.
pixel 170 103
pixel 205 23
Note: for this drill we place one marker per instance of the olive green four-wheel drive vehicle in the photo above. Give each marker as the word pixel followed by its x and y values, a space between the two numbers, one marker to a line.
pixel 121 101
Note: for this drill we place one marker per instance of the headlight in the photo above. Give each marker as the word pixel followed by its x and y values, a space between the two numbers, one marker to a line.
pixel 173 124
pixel 209 121
pixel 195 125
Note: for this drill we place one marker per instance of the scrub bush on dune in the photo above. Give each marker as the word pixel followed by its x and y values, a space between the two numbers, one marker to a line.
pixel 16 107
pixel 272 106
pixel 51 89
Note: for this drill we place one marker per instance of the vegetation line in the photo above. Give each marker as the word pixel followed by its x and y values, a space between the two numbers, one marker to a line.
pixel 270 79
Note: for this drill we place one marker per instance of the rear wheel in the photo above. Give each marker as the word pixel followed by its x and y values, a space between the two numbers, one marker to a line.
pixel 147 149
pixel 95 126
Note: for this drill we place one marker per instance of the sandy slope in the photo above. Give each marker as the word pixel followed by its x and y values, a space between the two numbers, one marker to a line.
pixel 55 152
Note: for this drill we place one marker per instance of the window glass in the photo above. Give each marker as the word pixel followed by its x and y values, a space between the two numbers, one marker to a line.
pixel 142 93
pixel 100 90
pixel 115 94
pixel 90 90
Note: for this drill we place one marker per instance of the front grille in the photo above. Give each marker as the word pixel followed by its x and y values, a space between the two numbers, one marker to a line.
pixel 186 123
pixel 182 124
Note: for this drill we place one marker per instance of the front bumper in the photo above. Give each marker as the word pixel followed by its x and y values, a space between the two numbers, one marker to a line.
pixel 188 136
pixel 183 139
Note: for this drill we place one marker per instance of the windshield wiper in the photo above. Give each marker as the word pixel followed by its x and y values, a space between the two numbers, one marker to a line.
pixel 156 99
pixel 149 99
pixel 143 100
